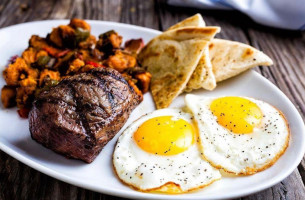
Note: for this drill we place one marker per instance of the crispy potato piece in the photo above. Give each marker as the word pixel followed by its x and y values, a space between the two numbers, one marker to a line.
pixel 85 54
pixel 28 82
pixel 25 96
pixel 54 75
pixel 29 55
pixel 37 42
pixel 109 41
pixel 87 68
pixel 78 23
pixel 8 96
pixel 75 66
pixel 97 55
pixel 25 93
pixel 88 43
pixel 67 35
pixel 143 81
pixel 55 37
pixel 121 61
pixel 41 44
pixel 41 53
pixel 115 40
pixel 17 71
pixel 66 31
pixel 63 63
pixel 134 46
pixel 136 89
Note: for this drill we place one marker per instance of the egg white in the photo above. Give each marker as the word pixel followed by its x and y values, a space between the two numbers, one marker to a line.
pixel 240 153
pixel 146 171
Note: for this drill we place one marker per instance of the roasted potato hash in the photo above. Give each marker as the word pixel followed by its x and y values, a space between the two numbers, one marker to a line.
pixel 68 50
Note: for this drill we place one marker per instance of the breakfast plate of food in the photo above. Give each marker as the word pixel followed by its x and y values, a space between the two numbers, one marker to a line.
pixel 138 113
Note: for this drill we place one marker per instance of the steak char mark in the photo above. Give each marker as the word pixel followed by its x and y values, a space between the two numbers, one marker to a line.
pixel 81 114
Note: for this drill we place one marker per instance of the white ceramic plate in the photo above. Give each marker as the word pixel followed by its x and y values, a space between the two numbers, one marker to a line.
pixel 15 137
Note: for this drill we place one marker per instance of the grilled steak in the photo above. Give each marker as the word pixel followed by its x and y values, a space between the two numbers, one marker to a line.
pixel 81 114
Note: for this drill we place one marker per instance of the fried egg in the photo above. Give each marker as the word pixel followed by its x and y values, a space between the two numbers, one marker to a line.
pixel 240 135
pixel 159 152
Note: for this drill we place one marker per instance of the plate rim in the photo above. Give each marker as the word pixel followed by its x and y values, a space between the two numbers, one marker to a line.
pixel 120 193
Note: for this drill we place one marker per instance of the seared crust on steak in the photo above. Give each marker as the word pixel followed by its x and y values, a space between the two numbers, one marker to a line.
pixel 80 115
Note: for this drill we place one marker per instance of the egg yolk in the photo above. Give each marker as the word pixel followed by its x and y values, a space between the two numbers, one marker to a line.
pixel 237 114
pixel 165 135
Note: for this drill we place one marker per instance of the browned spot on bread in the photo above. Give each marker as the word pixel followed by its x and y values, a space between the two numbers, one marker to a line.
pixel 211 46
pixel 248 52
pixel 191 30
pixel 154 54
pixel 171 51
pixel 180 75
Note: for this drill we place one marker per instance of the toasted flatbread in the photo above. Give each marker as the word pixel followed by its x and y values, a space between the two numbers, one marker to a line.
pixel 230 58
pixel 185 33
pixel 171 58
pixel 195 20
pixel 171 64
pixel 202 76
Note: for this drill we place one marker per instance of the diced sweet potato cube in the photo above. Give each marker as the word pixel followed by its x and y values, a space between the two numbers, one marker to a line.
pixel 41 44
pixel 25 96
pixel 54 75
pixel 87 68
pixel 66 31
pixel 29 55
pixel 109 41
pixel 143 81
pixel 78 23
pixel 67 34
pixel 134 46
pixel 88 43
pixel 115 40
pixel 28 82
pixel 55 37
pixel 121 61
pixel 75 66
pixel 17 71
pixel 37 42
pixel 136 89
pixel 8 96
pixel 41 53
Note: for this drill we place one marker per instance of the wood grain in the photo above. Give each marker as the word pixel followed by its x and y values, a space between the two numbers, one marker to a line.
pixel 286 48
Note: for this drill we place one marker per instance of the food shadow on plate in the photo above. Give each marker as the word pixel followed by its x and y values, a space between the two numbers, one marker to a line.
pixel 36 152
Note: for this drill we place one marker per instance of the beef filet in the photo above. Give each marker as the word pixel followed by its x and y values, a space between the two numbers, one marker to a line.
pixel 80 115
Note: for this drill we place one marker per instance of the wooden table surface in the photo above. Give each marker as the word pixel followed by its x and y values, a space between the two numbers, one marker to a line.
pixel 286 48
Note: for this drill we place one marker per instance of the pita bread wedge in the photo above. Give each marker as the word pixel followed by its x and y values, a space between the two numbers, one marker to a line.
pixel 202 76
pixel 195 20
pixel 171 58
pixel 185 33
pixel 230 58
